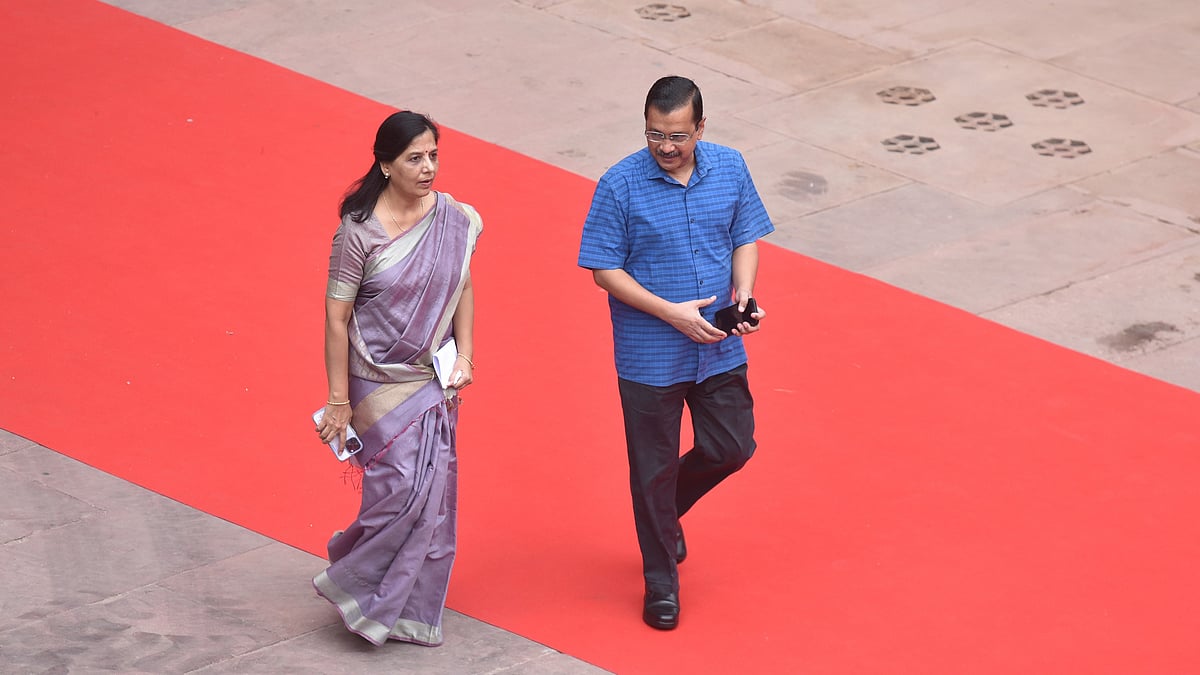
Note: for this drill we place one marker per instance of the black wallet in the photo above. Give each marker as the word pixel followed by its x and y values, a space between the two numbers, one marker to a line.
pixel 728 318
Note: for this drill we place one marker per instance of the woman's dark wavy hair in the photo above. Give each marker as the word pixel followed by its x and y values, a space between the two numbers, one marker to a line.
pixel 673 92
pixel 394 136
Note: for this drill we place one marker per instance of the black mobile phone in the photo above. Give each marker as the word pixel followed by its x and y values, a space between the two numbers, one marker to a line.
pixel 728 318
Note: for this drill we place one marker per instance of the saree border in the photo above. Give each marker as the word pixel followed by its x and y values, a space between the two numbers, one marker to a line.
pixel 376 633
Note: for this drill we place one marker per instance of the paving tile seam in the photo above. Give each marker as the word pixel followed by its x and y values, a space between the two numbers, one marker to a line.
pixel 1161 252
pixel 1184 147
pixel 649 41
pixel 1050 293
pixel 519 666
pixel 22 444
pixel 1192 227
pixel 1116 85
pixel 780 224
pixel 853 160
pixel 184 597
pixel 24 539
pixel 261 648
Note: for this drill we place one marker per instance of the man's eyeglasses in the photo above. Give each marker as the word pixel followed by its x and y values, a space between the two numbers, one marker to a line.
pixel 676 139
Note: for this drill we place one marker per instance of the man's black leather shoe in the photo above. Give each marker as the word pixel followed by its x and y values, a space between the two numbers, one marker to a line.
pixel 661 610
pixel 680 548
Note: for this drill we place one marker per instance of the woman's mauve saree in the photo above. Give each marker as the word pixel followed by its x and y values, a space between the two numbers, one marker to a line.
pixel 389 570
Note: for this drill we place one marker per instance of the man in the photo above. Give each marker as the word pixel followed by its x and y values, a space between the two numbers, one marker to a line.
pixel 671 235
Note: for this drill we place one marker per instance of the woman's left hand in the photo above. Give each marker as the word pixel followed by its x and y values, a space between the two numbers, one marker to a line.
pixel 334 422
pixel 464 373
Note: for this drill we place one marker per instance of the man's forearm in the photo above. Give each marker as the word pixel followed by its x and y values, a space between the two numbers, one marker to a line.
pixel 626 289
pixel 745 269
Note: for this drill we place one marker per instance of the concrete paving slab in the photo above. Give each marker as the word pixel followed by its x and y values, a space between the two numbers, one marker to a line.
pixel 787 56
pixel 1160 62
pixel 139 546
pixel 1033 28
pixel 470 647
pixel 908 221
pixel 10 443
pixel 796 179
pixel 173 12
pixel 857 18
pixel 28 593
pixel 990 167
pixel 148 630
pixel 29 506
pixel 1038 257
pixel 60 473
pixel 316 41
pixel 724 127
pixel 1163 186
pixel 1123 314
pixel 541 4
pixel 665 29
pixel 265 586
pixel 586 149
pixel 278 31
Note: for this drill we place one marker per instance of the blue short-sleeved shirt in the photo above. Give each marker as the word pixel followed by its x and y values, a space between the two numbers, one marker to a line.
pixel 676 241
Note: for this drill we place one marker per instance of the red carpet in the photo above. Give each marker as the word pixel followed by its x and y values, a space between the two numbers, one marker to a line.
pixel 932 493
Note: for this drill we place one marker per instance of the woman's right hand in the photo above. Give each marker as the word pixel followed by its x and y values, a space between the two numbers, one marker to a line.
pixel 333 424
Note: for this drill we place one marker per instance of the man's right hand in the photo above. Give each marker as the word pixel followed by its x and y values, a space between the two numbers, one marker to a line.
pixel 686 318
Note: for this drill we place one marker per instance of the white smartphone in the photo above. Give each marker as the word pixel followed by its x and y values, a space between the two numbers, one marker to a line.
pixel 353 443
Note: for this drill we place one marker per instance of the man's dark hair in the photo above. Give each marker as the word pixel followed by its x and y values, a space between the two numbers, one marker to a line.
pixel 672 93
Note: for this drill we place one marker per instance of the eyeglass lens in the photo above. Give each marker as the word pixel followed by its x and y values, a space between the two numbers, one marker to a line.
pixel 659 137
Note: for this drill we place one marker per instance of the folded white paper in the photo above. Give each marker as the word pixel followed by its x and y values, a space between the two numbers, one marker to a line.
pixel 443 363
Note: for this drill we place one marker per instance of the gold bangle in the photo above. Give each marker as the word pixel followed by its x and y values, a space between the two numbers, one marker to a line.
pixel 338 402
pixel 468 360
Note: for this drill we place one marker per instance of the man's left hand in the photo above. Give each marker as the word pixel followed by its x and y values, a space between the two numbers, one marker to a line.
pixel 744 328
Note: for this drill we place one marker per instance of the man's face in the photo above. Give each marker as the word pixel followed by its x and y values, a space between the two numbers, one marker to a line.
pixel 673 155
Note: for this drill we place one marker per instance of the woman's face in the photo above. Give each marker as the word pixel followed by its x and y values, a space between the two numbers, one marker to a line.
pixel 413 171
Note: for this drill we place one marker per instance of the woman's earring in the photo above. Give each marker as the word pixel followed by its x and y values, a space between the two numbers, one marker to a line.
pixel 386 175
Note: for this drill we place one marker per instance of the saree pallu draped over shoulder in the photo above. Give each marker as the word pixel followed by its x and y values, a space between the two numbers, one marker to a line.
pixel 390 569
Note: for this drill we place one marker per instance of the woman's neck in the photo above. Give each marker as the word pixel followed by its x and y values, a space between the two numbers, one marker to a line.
pixel 398 213
pixel 402 202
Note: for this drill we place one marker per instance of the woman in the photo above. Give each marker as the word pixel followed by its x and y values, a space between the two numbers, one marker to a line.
pixel 399 289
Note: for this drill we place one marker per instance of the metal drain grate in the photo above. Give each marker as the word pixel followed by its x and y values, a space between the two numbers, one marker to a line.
pixel 906 96
pixel 660 11
pixel 1053 98
pixel 909 144
pixel 983 121
pixel 1061 147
